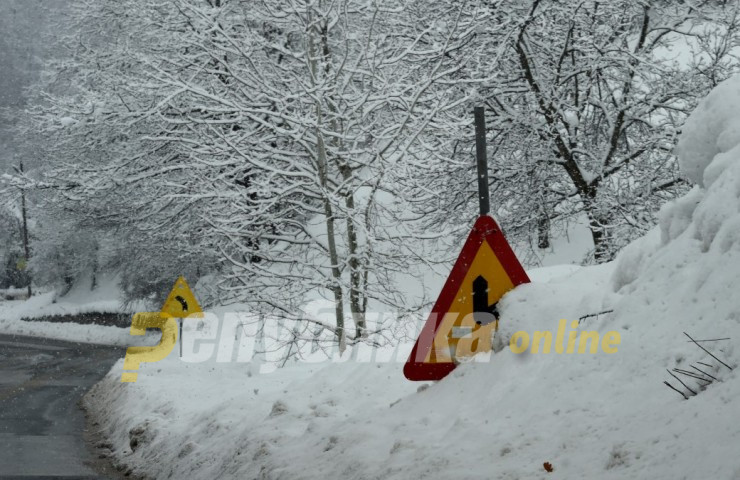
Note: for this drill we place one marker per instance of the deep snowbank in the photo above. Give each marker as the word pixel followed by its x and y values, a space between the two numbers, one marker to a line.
pixel 589 415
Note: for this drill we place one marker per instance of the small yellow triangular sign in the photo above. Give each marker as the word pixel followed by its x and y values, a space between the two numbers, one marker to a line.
pixel 181 302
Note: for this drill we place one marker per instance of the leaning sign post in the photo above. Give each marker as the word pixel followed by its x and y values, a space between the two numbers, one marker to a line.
pixel 465 316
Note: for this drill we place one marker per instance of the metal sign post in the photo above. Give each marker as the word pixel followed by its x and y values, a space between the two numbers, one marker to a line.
pixel 488 268
pixel 482 157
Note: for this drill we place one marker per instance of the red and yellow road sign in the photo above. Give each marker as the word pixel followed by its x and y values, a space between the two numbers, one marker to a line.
pixel 465 316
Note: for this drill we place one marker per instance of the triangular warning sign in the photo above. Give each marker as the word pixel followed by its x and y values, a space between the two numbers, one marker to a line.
pixel 181 302
pixel 464 318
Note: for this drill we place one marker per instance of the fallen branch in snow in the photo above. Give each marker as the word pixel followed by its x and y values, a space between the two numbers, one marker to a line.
pixel 710 353
pixel 708 340
pixel 675 389
pixel 681 382
pixel 703 372
pixel 700 374
pixel 692 375
pixel 580 319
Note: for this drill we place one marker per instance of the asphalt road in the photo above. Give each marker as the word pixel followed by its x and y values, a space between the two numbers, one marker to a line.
pixel 41 423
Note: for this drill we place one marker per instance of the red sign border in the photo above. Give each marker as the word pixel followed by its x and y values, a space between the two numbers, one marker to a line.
pixel 485 229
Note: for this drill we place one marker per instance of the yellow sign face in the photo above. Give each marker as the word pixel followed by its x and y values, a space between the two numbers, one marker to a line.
pixel 181 302
pixel 460 335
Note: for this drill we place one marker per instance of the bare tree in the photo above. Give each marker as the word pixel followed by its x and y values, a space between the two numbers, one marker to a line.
pixel 272 130
pixel 584 109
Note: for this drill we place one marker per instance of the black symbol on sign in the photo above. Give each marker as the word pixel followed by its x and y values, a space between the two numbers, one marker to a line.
pixel 183 303
pixel 482 312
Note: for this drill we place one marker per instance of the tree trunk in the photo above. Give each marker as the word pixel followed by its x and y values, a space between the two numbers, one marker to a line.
pixel 543 231
pixel 597 224
pixel 323 171
pixel 26 247
pixel 95 267
pixel 331 236
pixel 355 275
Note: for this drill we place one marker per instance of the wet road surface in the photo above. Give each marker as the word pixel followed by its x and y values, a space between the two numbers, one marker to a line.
pixel 41 423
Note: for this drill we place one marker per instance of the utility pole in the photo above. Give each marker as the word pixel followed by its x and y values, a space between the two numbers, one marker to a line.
pixel 482 157
pixel 26 249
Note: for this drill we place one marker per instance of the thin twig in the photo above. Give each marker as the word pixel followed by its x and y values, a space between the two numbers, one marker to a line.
pixel 710 353
pixel 710 340
pixel 593 315
pixel 705 364
pixel 681 382
pixel 691 374
pixel 703 372
pixel 677 390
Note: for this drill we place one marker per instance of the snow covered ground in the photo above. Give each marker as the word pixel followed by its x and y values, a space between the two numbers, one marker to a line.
pixel 103 299
pixel 588 415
